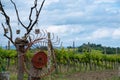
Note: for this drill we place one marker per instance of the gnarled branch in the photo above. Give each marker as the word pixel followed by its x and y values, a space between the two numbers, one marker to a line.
pixel 18 14
pixel 7 18
pixel 5 34
pixel 32 8
pixel 31 25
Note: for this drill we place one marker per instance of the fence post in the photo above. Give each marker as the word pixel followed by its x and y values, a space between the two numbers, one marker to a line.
pixel 49 51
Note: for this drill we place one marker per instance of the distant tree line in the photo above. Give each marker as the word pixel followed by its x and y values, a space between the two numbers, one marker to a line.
pixel 89 46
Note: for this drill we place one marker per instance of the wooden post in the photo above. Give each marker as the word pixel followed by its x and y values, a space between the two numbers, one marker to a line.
pixel 73 46
pixel 8 45
pixel 49 51
pixel 117 58
pixel 8 58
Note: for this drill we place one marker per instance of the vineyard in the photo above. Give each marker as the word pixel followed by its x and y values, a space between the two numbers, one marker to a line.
pixel 87 61
pixel 68 61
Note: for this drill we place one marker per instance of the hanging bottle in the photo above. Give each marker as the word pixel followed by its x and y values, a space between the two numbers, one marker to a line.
pixel 18 30
pixel 6 30
pixel 37 30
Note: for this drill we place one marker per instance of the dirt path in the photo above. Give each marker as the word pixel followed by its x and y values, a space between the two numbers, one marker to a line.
pixel 93 75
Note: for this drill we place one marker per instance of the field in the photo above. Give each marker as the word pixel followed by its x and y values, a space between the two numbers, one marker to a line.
pixel 95 75
pixel 72 65
pixel 91 75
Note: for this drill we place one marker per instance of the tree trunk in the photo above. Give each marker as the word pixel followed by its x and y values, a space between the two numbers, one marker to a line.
pixel 20 51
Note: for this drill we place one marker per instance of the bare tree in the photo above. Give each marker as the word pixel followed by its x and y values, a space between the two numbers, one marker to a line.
pixel 31 21
pixel 20 42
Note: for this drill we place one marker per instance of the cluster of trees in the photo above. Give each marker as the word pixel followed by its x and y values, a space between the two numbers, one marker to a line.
pixel 105 50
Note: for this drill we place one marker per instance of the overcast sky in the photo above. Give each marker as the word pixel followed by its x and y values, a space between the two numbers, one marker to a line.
pixel 82 21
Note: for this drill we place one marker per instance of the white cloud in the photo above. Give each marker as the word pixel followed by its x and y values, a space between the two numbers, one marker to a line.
pixel 75 14
pixel 104 33
pixel 57 29
pixel 100 33
pixel 47 2
pixel 104 1
pixel 116 34
pixel 112 10
pixel 65 29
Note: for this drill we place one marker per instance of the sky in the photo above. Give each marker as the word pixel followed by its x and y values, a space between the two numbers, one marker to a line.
pixel 81 21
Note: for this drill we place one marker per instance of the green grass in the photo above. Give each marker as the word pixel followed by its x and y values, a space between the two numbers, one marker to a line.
pixel 115 78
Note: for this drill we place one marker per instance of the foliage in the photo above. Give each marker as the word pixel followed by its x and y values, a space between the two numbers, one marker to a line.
pixel 7 53
pixel 108 50
pixel 4 54
pixel 65 56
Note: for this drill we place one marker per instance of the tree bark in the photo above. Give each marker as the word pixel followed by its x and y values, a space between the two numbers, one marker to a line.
pixel 20 51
